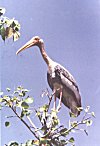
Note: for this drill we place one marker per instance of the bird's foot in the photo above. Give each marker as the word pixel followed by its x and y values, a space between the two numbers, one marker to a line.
pixel 59 107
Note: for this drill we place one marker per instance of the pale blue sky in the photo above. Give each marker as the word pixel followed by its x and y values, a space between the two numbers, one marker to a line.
pixel 71 32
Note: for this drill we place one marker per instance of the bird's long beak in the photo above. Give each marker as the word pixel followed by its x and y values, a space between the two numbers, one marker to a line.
pixel 27 45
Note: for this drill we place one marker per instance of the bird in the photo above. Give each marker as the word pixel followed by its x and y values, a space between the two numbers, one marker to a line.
pixel 59 79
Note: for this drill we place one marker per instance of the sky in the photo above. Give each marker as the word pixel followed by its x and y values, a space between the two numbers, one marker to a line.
pixel 71 33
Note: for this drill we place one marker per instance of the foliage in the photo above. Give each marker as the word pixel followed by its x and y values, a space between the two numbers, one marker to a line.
pixel 51 132
pixel 8 27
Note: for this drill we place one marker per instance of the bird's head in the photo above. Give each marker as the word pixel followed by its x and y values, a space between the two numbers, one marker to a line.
pixel 35 41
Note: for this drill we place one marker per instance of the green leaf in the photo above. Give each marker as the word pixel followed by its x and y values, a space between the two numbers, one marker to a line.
pixel 64 131
pixel 1 93
pixel 2 11
pixel 43 140
pixel 29 100
pixel 22 114
pixel 16 92
pixel 16 36
pixel 43 128
pixel 36 142
pixel 15 98
pixel 14 144
pixel 29 143
pixel 25 90
pixel 55 121
pixel 93 114
pixel 25 112
pixel 8 32
pixel 74 123
pixel 2 31
pixel 71 140
pixel 63 142
pixel 21 94
pixel 16 23
pixel 13 24
pixel 25 105
pixel 54 113
pixel 16 29
pixel 43 108
pixel 72 115
pixel 8 89
pixel 7 124
pixel 0 99
pixel 6 97
pixel 7 21
pixel 19 88
pixel 89 122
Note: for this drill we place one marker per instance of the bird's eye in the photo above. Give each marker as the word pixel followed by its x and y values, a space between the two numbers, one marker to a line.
pixel 37 38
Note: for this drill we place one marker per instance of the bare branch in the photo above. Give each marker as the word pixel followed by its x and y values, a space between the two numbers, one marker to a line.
pixel 33 126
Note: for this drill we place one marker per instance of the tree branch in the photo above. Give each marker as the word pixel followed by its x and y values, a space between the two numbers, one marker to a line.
pixel 33 126
pixel 12 108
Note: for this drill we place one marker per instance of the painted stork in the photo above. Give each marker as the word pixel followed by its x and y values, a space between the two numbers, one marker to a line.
pixel 59 79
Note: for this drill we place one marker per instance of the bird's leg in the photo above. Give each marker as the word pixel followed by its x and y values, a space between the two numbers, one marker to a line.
pixel 54 91
pixel 60 100
pixel 54 102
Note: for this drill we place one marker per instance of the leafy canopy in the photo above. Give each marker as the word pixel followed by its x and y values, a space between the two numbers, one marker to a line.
pixel 51 132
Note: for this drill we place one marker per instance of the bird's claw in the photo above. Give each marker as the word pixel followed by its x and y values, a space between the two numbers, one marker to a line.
pixel 59 107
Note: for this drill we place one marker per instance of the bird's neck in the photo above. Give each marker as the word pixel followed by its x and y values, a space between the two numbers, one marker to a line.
pixel 46 58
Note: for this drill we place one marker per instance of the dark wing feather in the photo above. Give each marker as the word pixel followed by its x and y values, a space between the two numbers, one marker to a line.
pixel 61 70
pixel 71 96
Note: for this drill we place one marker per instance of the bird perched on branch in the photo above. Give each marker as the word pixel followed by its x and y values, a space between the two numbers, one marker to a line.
pixel 59 79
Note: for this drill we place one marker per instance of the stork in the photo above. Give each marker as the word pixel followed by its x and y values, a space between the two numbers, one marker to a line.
pixel 59 79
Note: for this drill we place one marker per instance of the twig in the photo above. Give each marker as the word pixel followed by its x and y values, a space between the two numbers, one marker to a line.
pixel 33 126
pixel 50 98
pixel 79 123
pixel 11 116
pixel 73 127
pixel 12 108
pixel 25 123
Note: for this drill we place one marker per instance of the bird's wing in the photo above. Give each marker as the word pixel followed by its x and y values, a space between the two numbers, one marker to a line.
pixel 61 70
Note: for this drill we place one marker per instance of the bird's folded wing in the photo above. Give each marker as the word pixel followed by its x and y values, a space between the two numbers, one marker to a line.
pixel 61 70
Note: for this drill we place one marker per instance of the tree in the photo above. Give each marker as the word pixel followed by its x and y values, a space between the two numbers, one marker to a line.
pixel 8 27
pixel 51 132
